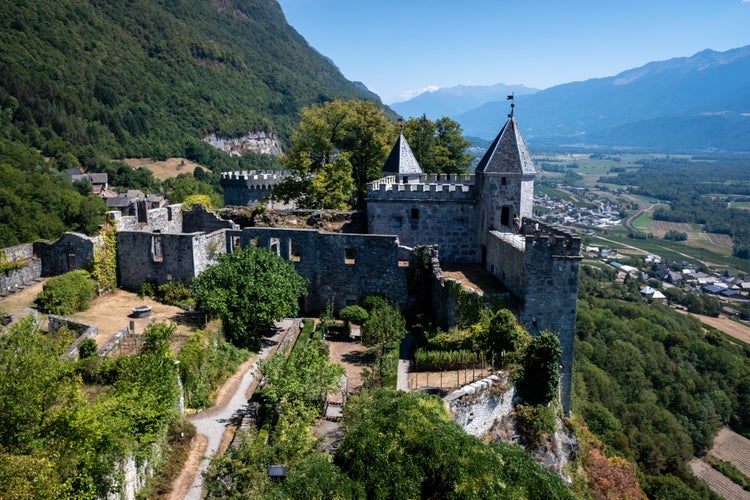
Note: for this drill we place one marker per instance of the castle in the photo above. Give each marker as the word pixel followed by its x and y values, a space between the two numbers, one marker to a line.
pixel 469 218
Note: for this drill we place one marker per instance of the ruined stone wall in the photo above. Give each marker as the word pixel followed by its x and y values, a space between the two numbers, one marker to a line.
pixel 344 268
pixel 85 331
pixel 159 257
pixel 71 252
pixel 165 219
pixel 200 219
pixel 13 280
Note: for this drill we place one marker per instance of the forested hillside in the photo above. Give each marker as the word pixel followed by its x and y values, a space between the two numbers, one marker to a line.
pixel 144 78
pixel 653 384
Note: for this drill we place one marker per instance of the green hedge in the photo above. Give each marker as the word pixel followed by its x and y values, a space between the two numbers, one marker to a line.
pixel 67 293
pixel 446 360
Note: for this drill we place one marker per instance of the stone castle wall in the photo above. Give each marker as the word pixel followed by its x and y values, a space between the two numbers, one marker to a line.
pixel 542 271
pixel 552 262
pixel 344 268
pixel 440 209
pixel 452 225
pixel 249 188
pixel 165 219
pixel 163 257
pixel 15 279
pixel 199 219
pixel 71 252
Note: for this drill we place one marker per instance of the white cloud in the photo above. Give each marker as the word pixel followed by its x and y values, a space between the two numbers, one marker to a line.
pixel 409 94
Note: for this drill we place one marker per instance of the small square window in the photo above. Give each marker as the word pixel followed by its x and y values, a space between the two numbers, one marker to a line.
pixel 157 252
pixel 294 254
pixel 503 181
pixel 349 256
pixel 415 213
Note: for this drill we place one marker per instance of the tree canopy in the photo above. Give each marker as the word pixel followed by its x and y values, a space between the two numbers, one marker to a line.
pixel 332 139
pixel 405 445
pixel 249 289
pixel 438 146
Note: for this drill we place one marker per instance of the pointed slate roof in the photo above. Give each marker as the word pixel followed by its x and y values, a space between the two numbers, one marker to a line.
pixel 401 160
pixel 508 153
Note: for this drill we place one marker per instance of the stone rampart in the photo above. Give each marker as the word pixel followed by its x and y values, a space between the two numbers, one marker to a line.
pixel 553 258
pixel 453 226
pixel 344 268
pixel 16 279
pixel 380 191
pixel 247 188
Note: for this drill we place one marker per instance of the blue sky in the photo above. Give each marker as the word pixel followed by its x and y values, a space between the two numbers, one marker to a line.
pixel 399 48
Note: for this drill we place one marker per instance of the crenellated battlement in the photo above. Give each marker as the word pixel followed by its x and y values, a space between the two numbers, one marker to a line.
pixel 558 241
pixel 253 179
pixel 431 187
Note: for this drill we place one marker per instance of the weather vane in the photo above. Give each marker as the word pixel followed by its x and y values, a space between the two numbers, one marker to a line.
pixel 512 99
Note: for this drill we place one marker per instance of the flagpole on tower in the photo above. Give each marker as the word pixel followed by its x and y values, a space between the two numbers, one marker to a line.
pixel 512 99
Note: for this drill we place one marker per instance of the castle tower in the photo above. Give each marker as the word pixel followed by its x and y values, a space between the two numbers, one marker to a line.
pixel 402 163
pixel 505 180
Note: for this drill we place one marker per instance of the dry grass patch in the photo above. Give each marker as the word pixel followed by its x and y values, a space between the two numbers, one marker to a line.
pixel 166 169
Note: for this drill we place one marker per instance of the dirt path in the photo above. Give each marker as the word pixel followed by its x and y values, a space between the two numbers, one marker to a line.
pixel 352 355
pixel 215 425
pixel 16 303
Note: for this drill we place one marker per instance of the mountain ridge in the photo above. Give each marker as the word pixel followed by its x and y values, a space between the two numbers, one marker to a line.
pixel 678 94
pixel 142 78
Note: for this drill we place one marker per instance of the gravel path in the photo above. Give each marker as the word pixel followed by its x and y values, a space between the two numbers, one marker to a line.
pixel 213 423
pixel 404 362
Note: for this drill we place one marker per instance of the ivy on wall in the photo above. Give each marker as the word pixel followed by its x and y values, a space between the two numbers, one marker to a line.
pixel 104 269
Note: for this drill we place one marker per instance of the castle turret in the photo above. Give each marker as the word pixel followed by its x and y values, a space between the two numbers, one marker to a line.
pixel 505 179
pixel 402 163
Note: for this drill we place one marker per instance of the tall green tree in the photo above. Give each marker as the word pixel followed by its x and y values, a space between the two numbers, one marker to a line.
pixel 249 289
pixel 438 146
pixel 358 129
pixel 384 328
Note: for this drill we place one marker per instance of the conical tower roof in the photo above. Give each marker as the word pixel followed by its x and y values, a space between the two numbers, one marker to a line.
pixel 401 160
pixel 508 153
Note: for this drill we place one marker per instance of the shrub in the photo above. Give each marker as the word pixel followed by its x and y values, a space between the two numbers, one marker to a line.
pixel 87 348
pixel 354 314
pixel 174 293
pixel 67 293
pixel 148 289
pixel 535 422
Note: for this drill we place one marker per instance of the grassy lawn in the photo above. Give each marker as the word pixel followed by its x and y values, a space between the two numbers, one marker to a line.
pixel 642 222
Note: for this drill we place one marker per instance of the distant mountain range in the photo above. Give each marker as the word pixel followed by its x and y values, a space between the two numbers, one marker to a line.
pixel 454 101
pixel 698 103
